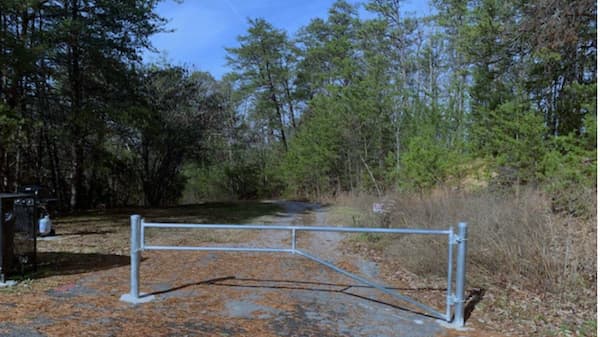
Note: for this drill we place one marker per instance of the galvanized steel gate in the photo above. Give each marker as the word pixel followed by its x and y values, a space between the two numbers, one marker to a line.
pixel 456 241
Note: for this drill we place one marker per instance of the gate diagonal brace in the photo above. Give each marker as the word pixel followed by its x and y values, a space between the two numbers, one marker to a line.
pixel 379 287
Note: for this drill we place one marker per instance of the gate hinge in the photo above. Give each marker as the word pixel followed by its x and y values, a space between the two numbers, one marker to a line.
pixel 454 300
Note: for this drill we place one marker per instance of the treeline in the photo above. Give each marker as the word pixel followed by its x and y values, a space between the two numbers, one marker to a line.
pixel 480 90
pixel 496 91
pixel 82 115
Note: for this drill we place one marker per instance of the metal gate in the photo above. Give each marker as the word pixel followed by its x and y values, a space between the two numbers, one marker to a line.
pixel 456 241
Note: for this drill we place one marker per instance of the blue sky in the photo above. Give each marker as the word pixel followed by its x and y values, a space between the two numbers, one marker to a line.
pixel 203 28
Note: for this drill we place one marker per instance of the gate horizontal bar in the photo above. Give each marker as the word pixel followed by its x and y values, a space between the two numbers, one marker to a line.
pixel 384 289
pixel 300 228
pixel 220 249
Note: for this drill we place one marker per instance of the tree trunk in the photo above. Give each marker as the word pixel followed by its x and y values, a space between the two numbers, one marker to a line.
pixel 290 103
pixel 76 175
pixel 277 106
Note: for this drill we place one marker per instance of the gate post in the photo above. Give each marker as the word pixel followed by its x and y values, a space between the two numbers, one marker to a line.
pixel 134 293
pixel 459 305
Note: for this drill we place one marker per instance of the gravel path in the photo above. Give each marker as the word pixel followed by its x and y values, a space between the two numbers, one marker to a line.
pixel 331 306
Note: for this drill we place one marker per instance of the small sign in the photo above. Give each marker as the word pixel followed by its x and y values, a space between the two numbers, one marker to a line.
pixel 378 208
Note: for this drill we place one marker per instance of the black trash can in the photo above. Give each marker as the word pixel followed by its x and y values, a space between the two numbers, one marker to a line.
pixel 18 231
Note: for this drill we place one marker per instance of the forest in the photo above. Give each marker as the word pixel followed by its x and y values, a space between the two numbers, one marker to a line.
pixel 482 92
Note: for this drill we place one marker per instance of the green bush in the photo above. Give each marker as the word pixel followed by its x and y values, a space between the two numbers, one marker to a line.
pixel 428 162
pixel 569 170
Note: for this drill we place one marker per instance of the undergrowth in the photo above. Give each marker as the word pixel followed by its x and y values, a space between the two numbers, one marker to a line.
pixel 519 245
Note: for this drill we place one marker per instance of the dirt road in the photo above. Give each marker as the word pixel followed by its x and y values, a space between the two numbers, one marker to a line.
pixel 219 294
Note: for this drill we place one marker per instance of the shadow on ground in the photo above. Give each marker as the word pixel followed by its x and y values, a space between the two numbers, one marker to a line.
pixel 287 285
pixel 210 212
pixel 66 263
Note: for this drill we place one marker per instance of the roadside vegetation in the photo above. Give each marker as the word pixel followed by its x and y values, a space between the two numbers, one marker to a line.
pixel 537 268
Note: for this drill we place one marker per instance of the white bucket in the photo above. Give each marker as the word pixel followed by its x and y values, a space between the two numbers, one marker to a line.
pixel 45 225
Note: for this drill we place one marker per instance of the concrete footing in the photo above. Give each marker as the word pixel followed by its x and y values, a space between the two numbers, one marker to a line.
pixel 143 298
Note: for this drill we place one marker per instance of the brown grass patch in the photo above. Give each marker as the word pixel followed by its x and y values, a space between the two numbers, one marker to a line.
pixel 539 266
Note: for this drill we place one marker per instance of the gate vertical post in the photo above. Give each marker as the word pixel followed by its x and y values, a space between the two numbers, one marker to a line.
pixel 459 307
pixel 134 293
pixel 135 255
pixel 449 294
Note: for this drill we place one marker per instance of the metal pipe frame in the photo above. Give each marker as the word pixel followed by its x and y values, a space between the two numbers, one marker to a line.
pixel 135 254
pixel 455 241
pixel 300 228
pixel 221 249
pixel 459 301
pixel 449 296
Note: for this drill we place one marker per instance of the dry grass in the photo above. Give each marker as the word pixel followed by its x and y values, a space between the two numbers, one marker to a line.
pixel 518 240
pixel 540 265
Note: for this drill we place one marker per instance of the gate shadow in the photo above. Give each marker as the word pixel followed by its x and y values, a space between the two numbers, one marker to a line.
pixel 277 284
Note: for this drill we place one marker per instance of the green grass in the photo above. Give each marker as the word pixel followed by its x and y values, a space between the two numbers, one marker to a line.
pixel 345 216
